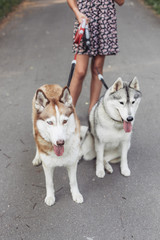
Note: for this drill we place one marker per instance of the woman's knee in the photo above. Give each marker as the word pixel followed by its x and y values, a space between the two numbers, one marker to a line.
pixel 97 65
pixel 96 69
pixel 80 73
pixel 81 66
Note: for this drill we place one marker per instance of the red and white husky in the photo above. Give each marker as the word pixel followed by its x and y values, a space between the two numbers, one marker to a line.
pixel 56 130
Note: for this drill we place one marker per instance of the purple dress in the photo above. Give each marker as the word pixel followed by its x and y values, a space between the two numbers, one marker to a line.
pixel 102 27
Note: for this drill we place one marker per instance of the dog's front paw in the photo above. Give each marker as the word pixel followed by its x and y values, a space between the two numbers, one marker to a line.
pixel 109 168
pixel 77 197
pixel 125 172
pixel 36 161
pixel 50 200
pixel 100 173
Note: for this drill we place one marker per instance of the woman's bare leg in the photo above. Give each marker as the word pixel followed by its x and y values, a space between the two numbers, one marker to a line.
pixel 78 77
pixel 96 85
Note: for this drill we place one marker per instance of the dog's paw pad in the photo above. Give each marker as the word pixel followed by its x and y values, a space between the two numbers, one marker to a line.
pixel 100 173
pixel 109 168
pixel 78 198
pixel 50 200
pixel 126 172
pixel 36 162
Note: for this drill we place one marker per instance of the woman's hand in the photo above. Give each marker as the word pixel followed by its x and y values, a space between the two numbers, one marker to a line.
pixel 80 16
pixel 119 2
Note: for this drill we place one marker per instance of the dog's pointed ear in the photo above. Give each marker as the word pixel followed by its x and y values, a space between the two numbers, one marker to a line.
pixel 118 84
pixel 65 97
pixel 41 100
pixel 134 84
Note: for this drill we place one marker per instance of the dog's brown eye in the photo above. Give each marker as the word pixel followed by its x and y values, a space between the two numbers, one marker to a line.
pixel 122 103
pixel 50 122
pixel 64 121
pixel 133 102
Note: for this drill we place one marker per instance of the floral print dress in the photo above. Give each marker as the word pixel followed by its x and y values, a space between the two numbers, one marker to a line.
pixel 102 27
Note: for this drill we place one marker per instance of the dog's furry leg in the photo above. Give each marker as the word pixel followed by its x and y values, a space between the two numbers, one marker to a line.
pixel 108 167
pixel 83 132
pixel 72 174
pixel 36 161
pixel 99 146
pixel 125 171
pixel 50 197
pixel 109 156
pixel 87 147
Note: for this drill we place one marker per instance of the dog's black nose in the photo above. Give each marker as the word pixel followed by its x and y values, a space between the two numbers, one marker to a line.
pixel 130 119
pixel 60 142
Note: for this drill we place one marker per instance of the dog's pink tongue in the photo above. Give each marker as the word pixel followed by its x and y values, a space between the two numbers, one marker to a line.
pixel 59 150
pixel 127 126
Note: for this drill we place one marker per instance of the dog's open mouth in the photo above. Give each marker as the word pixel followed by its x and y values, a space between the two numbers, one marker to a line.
pixel 127 126
pixel 59 150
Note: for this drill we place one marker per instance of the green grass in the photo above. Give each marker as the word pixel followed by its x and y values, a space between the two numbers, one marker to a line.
pixel 6 6
pixel 155 5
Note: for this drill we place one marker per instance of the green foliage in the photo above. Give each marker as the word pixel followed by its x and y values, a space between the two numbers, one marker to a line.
pixel 6 6
pixel 155 4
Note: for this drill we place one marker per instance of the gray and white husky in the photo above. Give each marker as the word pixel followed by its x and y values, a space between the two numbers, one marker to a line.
pixel 111 120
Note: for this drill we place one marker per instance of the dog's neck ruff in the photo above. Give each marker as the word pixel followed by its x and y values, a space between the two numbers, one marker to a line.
pixel 115 120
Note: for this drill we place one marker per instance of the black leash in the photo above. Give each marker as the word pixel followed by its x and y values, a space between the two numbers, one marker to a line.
pixel 71 72
pixel 100 77
pixel 82 32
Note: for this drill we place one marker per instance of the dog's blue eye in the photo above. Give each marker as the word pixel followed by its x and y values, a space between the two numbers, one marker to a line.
pixel 50 122
pixel 122 103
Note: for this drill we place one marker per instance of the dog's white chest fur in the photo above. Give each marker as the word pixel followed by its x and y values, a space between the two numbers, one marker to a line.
pixel 111 137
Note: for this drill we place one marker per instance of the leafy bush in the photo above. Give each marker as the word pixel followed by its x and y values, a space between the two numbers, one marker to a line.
pixel 6 6
pixel 155 4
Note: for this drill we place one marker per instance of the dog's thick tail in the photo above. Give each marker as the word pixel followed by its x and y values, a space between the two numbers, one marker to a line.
pixel 87 144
